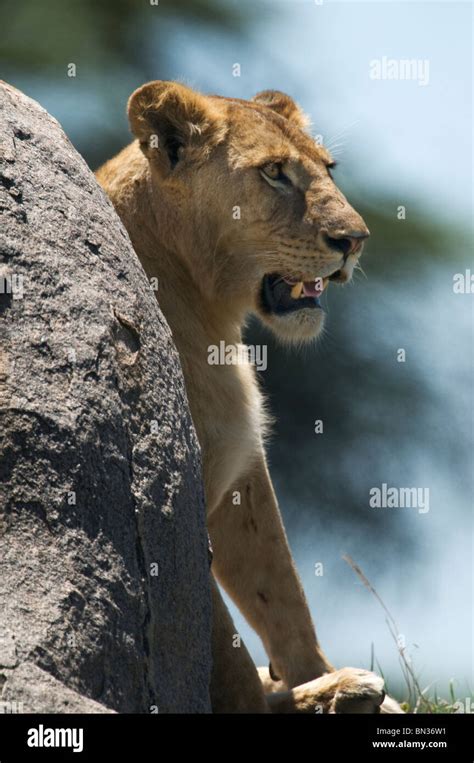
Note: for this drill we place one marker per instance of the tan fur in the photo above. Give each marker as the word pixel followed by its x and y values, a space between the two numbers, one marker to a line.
pixel 196 159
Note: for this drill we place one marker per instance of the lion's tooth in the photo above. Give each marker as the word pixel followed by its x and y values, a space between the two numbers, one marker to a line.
pixel 296 290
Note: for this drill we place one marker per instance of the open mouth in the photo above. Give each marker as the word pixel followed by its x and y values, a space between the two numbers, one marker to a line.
pixel 283 295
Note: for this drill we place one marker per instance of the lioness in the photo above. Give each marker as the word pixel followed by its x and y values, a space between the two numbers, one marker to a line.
pixel 231 205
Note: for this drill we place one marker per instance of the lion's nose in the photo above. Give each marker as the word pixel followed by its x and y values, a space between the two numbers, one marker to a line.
pixel 347 242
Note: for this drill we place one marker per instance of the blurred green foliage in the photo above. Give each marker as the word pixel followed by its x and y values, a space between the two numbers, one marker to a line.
pixel 41 36
pixel 116 45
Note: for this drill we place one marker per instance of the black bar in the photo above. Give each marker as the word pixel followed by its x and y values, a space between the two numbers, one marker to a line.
pixel 110 737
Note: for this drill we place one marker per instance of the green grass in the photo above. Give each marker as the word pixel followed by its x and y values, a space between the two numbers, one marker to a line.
pixel 417 699
pixel 432 703
pixel 427 702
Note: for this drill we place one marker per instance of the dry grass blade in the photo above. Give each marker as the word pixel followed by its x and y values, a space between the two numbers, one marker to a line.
pixel 416 696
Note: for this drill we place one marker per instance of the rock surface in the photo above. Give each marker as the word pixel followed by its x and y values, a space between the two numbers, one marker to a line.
pixel 104 593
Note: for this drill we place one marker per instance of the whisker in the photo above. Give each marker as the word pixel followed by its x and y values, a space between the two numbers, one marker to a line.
pixel 337 152
pixel 361 270
pixel 343 131
pixel 335 146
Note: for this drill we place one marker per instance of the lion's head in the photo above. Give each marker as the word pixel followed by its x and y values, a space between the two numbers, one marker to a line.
pixel 249 202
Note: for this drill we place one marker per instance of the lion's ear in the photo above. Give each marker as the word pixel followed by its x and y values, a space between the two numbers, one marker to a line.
pixel 283 105
pixel 167 117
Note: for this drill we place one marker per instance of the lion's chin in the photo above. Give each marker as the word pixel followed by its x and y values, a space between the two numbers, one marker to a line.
pixel 298 327
pixel 291 308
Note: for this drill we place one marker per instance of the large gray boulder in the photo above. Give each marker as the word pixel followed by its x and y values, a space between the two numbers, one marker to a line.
pixel 104 593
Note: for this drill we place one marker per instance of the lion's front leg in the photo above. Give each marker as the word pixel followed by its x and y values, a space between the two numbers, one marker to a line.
pixel 253 563
pixel 237 687
pixel 235 684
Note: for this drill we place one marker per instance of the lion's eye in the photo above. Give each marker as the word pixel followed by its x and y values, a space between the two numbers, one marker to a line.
pixel 273 170
pixel 274 175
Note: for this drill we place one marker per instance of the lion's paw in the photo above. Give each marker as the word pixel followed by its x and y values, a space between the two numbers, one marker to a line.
pixel 350 690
